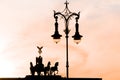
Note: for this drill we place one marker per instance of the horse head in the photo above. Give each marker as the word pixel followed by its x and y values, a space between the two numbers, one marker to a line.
pixel 56 64
pixel 49 63
pixel 31 65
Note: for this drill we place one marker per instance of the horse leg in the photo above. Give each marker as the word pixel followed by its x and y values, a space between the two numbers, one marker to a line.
pixel 38 73
pixel 54 73
pixel 57 71
pixel 44 73
pixel 33 73
pixel 50 72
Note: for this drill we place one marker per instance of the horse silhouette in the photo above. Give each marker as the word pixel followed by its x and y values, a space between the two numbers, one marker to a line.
pixel 47 69
pixel 32 69
pixel 54 69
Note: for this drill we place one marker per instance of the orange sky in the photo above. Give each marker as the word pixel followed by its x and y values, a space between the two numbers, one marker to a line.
pixel 25 24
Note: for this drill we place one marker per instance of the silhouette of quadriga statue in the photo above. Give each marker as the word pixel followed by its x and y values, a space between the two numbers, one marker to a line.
pixel 39 67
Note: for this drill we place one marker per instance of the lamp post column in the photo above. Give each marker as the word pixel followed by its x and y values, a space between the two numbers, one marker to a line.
pixel 67 62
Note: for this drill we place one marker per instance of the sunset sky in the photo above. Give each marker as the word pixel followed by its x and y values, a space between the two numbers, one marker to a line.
pixel 25 24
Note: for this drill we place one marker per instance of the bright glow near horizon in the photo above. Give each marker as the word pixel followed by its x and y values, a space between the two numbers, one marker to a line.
pixel 25 24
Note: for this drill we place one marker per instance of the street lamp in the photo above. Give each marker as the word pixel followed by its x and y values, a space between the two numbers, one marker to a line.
pixel 66 15
pixel 56 36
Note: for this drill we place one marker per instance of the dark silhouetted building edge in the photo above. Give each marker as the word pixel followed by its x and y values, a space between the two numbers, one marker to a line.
pixel 58 77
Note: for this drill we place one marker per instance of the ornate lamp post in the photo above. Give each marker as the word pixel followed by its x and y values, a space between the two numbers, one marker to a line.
pixel 66 15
